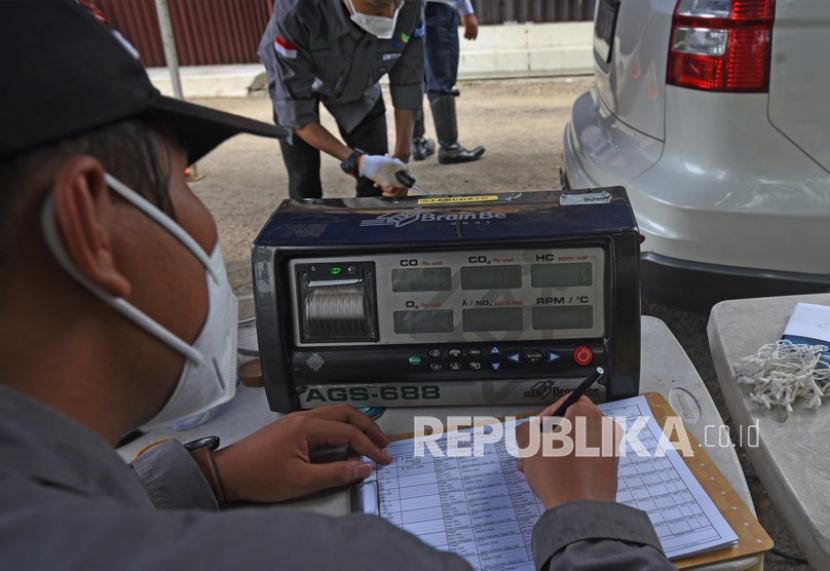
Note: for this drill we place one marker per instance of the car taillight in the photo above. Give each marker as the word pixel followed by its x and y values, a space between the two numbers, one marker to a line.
pixel 721 45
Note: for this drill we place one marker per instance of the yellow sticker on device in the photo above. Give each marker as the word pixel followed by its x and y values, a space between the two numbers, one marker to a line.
pixel 457 199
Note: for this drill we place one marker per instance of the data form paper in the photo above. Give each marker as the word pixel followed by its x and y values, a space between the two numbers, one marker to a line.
pixel 483 509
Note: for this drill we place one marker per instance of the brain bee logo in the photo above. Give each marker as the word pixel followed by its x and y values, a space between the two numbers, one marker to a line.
pixel 400 218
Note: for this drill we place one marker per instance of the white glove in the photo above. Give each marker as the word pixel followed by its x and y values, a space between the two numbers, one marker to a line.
pixel 382 169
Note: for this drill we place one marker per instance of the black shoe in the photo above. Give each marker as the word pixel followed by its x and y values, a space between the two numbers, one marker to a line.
pixel 422 148
pixel 452 154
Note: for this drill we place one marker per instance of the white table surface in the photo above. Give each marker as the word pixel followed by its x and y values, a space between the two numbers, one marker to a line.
pixel 665 369
pixel 792 458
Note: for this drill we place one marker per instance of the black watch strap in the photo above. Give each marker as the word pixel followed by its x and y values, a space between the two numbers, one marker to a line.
pixel 349 166
pixel 209 442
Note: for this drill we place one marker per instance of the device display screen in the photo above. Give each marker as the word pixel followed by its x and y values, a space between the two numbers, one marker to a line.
pixel 534 293
pixel 500 319
pixel 423 321
pixel 491 277
pixel 561 275
pixel 579 317
pixel 421 279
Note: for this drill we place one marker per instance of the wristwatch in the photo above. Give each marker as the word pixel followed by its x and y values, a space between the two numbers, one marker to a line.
pixel 209 442
pixel 201 450
pixel 349 166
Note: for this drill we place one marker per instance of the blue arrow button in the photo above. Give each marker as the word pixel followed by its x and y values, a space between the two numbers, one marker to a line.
pixel 514 357
pixel 553 357
pixel 495 365
pixel 494 350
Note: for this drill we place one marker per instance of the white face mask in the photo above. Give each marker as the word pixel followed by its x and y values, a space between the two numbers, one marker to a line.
pixel 208 378
pixel 379 26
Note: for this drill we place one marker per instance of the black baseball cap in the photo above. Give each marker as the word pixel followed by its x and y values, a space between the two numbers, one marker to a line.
pixel 64 73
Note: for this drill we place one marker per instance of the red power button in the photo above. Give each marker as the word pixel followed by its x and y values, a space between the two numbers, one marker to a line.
pixel 583 356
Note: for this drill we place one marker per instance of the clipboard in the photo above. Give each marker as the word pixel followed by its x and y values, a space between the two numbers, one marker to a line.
pixel 752 538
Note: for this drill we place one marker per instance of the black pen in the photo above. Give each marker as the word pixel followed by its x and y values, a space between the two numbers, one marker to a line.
pixel 579 391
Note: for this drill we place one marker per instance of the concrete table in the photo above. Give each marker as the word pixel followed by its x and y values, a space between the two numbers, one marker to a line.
pixel 665 369
pixel 793 455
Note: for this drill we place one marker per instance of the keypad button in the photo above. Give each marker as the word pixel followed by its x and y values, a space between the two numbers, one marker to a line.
pixel 553 357
pixel 415 360
pixel 495 351
pixel 454 353
pixel 474 352
pixel 436 367
pixel 475 365
pixel 583 356
pixel 495 365
pixel 534 357
pixel 514 357
pixel 434 353
pixel 455 365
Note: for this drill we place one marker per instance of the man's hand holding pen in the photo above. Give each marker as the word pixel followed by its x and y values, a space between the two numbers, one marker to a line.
pixel 561 478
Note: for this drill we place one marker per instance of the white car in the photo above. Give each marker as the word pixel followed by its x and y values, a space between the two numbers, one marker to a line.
pixel 715 116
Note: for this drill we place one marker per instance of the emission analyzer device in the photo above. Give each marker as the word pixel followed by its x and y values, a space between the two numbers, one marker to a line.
pixel 448 300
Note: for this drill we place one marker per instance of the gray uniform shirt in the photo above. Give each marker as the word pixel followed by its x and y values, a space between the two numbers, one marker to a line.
pixel 314 53
pixel 70 502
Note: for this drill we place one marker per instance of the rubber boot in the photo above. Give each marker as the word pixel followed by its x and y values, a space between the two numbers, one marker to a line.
pixel 422 148
pixel 446 127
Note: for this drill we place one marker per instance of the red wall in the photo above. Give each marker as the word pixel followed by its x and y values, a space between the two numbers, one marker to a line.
pixel 207 32
pixel 211 32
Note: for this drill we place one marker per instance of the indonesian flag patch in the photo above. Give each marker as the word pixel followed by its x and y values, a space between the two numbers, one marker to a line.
pixel 284 48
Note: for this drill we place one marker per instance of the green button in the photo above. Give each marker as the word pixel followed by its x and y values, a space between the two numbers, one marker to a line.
pixel 335 270
pixel 415 360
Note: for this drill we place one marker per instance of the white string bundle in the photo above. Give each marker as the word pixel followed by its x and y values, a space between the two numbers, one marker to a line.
pixel 782 373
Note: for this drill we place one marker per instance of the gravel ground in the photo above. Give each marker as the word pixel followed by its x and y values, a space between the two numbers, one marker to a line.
pixel 521 124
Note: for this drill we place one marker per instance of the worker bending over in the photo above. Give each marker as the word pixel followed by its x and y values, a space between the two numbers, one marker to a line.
pixel 335 52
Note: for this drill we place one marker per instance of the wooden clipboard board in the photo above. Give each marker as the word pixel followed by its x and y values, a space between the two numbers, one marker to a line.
pixel 752 537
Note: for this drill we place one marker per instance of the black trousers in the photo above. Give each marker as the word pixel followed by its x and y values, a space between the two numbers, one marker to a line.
pixel 442 50
pixel 441 55
pixel 303 161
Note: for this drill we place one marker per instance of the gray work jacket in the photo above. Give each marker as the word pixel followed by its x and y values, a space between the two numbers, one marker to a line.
pixel 314 53
pixel 68 501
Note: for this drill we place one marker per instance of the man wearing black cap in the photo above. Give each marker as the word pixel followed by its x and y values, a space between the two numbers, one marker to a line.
pixel 116 313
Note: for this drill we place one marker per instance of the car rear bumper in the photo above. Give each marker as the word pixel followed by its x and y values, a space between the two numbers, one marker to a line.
pixel 698 286
pixel 722 191
pixel 600 150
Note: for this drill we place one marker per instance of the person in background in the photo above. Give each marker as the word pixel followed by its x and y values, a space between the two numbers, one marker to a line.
pixel 441 65
pixel 117 314
pixel 334 52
